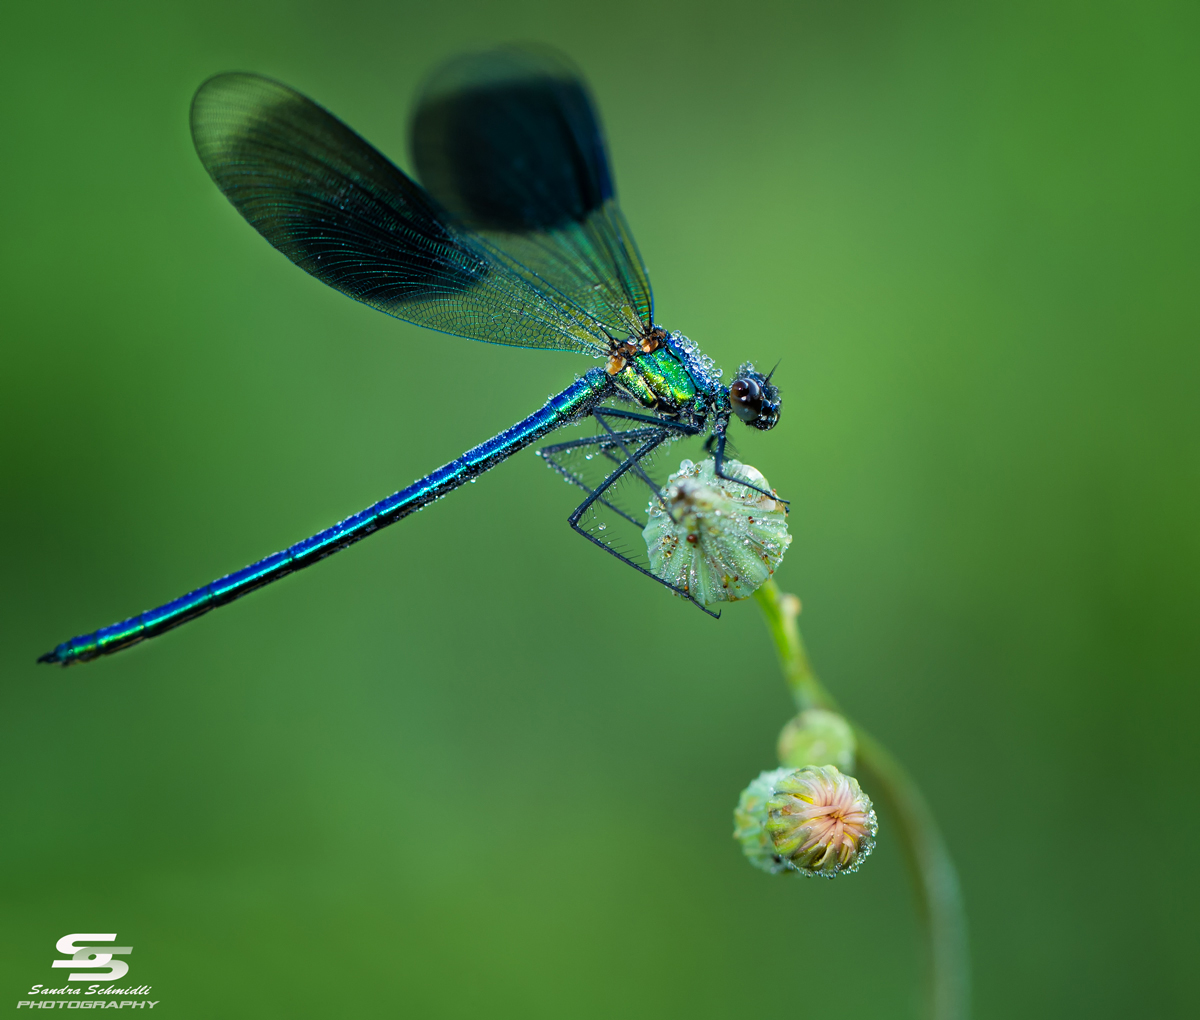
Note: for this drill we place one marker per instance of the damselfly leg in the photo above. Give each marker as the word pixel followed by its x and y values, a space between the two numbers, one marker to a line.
pixel 614 469
pixel 609 451
pixel 715 444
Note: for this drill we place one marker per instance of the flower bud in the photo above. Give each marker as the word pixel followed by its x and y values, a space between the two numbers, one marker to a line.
pixel 717 540
pixel 750 822
pixel 817 737
pixel 820 821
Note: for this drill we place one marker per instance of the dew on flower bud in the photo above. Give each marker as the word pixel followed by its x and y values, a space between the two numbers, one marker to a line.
pixel 821 822
pixel 813 820
pixel 717 539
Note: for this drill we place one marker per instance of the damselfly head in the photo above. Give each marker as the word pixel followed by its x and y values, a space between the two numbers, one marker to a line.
pixel 754 399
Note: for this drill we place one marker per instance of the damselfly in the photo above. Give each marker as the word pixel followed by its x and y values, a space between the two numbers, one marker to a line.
pixel 515 238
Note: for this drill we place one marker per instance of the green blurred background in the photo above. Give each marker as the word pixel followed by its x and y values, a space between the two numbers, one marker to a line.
pixel 475 768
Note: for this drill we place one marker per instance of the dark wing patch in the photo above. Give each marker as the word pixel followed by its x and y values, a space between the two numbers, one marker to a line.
pixel 513 155
pixel 509 141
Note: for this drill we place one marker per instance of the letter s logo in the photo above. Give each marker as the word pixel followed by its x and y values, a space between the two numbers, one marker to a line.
pixel 92 956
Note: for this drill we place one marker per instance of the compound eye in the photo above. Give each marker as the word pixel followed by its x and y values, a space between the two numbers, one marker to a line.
pixel 746 397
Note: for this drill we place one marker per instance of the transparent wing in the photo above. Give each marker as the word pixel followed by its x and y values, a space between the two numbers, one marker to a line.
pixel 616 518
pixel 341 211
pixel 509 141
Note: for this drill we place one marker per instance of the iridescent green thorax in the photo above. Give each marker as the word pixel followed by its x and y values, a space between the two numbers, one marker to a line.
pixel 657 380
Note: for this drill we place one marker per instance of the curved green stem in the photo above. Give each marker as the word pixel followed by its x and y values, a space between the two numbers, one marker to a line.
pixel 934 878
